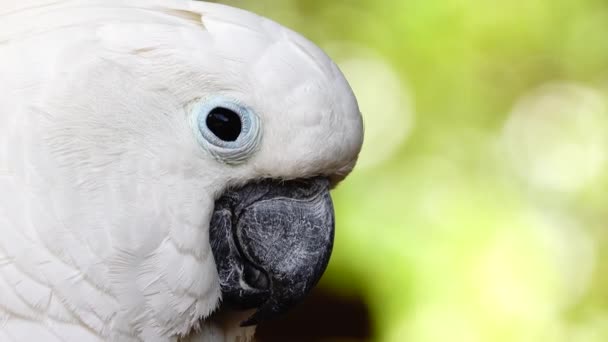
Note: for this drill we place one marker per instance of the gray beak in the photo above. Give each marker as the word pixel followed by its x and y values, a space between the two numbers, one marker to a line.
pixel 271 242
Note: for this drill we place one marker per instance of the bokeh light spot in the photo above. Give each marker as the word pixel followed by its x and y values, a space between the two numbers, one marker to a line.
pixel 383 99
pixel 557 136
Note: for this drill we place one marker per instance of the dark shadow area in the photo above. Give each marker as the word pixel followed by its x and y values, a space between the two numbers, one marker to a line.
pixel 320 317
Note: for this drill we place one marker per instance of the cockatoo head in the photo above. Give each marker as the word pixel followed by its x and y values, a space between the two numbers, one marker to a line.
pixel 194 146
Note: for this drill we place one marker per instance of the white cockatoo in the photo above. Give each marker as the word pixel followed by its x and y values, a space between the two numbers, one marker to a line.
pixel 164 165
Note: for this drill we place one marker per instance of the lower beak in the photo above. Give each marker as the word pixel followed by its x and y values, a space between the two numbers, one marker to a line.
pixel 271 242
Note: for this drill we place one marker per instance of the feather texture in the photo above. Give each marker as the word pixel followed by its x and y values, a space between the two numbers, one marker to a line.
pixel 70 271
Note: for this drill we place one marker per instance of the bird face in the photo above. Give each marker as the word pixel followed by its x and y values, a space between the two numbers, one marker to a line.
pixel 300 133
pixel 190 146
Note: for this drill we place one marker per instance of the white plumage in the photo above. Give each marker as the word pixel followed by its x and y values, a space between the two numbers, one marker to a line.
pixel 105 192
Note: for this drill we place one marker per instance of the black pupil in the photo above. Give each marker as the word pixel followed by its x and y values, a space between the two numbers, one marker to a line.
pixel 224 123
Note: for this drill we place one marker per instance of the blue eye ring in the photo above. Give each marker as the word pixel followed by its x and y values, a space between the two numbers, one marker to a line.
pixel 229 152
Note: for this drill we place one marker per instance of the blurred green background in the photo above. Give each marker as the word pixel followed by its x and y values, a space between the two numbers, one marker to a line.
pixel 478 209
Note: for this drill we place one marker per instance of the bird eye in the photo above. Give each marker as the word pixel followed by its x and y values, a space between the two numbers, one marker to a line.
pixel 227 129
pixel 224 123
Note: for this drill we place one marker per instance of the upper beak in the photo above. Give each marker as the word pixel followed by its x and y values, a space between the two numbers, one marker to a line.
pixel 271 242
